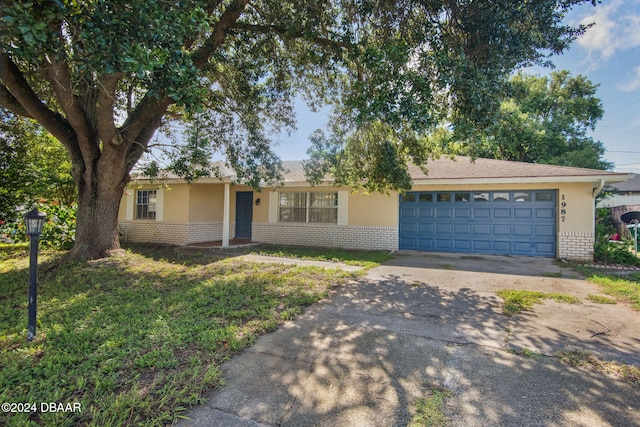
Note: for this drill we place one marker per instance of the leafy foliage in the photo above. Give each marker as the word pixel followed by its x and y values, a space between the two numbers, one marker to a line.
pixel 59 230
pixel 543 120
pixel 610 252
pixel 33 165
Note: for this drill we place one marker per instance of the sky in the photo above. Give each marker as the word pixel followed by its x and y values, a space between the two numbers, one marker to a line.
pixel 608 54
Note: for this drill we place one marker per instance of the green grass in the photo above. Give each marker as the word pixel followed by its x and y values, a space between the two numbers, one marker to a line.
pixel 525 352
pixel 516 301
pixel 588 361
pixel 622 289
pixel 430 409
pixel 367 259
pixel 139 338
pixel 601 299
pixel 552 274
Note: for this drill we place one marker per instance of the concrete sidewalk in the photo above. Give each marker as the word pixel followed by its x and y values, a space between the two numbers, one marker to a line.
pixel 367 353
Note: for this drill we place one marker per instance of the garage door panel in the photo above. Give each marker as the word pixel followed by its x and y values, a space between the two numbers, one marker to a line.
pixel 462 229
pixel 461 214
pixel 502 213
pixel 426 212
pixel 462 245
pixel 520 213
pixel 523 230
pixel 426 244
pixel 443 244
pixel 446 228
pixel 547 213
pixel 523 247
pixel 408 212
pixel 545 230
pixel 502 229
pixel 444 213
pixel 482 245
pixel 482 213
pixel 481 229
pixel 499 222
pixel 545 247
pixel 426 228
pixel 408 243
pixel 408 228
pixel 502 246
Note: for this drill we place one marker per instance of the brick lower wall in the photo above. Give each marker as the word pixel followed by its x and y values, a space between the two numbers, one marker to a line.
pixel 172 233
pixel 153 232
pixel 576 246
pixel 204 232
pixel 327 235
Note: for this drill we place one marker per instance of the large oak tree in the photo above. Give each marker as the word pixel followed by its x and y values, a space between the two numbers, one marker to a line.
pixel 103 76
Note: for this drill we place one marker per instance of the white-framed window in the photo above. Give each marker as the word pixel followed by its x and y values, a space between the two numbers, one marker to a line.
pixel 146 204
pixel 308 207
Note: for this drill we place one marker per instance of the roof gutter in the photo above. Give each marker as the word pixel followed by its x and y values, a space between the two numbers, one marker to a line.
pixel 599 187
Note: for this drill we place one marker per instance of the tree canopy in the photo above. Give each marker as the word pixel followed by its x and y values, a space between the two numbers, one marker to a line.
pixel 33 165
pixel 541 120
pixel 103 76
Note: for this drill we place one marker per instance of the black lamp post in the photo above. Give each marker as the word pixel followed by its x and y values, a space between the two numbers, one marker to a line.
pixel 34 221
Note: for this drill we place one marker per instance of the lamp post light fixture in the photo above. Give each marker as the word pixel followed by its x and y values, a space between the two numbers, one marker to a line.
pixel 34 221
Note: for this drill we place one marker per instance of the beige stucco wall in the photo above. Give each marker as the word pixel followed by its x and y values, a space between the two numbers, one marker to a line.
pixel 373 209
pixel 205 202
pixel 176 203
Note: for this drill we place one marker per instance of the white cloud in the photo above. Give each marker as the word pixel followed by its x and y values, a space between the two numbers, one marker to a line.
pixel 616 28
pixel 634 84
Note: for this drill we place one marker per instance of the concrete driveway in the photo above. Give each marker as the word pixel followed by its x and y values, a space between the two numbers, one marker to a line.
pixel 363 356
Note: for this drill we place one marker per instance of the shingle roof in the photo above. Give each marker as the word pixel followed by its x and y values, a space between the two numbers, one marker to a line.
pixel 629 186
pixel 461 169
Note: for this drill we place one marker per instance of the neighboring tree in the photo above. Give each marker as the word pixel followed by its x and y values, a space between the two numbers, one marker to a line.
pixel 103 76
pixel 33 165
pixel 542 120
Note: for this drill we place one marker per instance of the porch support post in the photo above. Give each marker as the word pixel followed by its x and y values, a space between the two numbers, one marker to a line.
pixel 225 217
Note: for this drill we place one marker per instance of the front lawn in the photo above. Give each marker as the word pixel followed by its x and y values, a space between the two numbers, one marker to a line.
pixel 136 339
pixel 623 289
pixel 367 259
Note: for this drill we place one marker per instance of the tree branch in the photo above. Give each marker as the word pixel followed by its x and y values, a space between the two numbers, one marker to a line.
pixel 148 108
pixel 287 33
pixel 105 124
pixel 58 75
pixel 217 37
pixel 13 80
pixel 9 102
pixel 139 146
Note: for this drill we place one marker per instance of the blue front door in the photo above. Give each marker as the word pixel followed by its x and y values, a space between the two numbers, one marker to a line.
pixel 490 222
pixel 244 214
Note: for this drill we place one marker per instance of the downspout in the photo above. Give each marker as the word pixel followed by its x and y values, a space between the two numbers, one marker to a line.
pixel 596 191
pixel 599 188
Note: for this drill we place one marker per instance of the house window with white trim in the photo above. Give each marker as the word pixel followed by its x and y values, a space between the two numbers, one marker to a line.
pixel 318 207
pixel 146 204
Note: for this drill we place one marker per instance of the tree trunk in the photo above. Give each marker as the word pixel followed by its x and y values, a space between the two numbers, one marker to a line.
pixel 99 195
pixel 97 225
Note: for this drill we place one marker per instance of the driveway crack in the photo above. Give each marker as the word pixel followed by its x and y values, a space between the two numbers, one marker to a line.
pixel 295 399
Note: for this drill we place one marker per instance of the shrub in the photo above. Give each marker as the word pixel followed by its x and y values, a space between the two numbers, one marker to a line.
pixel 605 251
pixel 59 230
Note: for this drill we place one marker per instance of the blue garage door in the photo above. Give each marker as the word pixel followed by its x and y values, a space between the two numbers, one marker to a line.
pixel 488 222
